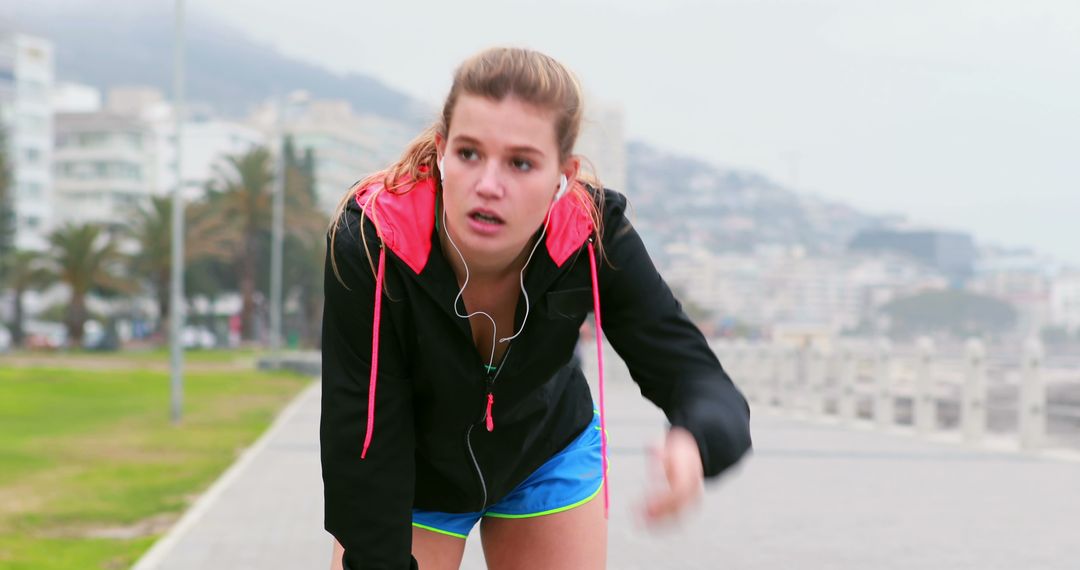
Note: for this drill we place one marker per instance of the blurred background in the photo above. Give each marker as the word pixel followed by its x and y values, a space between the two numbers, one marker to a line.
pixel 814 178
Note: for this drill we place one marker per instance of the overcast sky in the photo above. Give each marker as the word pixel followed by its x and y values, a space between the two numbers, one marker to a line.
pixel 960 113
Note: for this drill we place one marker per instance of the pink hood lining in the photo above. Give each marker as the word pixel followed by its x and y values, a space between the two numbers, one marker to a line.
pixel 405 221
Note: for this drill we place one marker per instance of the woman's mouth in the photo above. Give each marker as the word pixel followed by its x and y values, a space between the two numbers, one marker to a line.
pixel 486 217
pixel 485 223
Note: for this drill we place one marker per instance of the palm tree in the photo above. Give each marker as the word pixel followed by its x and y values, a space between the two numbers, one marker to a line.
pixel 245 203
pixel 204 237
pixel 25 272
pixel 88 260
pixel 244 206
pixel 7 208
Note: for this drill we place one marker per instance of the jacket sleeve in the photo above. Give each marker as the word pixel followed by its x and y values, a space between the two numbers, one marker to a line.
pixel 667 355
pixel 368 502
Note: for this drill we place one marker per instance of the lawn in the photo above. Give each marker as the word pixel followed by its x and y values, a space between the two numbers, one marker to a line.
pixel 91 468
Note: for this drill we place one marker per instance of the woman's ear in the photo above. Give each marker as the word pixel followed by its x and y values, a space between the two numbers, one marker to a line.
pixel 571 167
pixel 440 149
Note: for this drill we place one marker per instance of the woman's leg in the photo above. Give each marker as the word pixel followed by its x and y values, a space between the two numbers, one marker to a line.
pixel 436 551
pixel 576 538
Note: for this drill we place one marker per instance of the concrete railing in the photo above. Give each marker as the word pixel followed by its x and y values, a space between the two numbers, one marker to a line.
pixel 958 390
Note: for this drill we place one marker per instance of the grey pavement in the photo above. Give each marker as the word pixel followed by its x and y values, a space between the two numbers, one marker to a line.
pixel 812 495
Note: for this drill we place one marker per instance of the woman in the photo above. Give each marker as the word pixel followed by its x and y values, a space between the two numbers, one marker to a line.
pixel 456 283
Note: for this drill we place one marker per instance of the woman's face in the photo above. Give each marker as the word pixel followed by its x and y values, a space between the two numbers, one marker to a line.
pixel 501 171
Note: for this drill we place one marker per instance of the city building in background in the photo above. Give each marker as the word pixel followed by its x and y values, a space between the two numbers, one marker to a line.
pixel 347 146
pixel 778 286
pixel 112 157
pixel 1065 301
pixel 106 166
pixel 207 144
pixel 1020 278
pixel 952 253
pixel 603 142
pixel 71 97
pixel 26 82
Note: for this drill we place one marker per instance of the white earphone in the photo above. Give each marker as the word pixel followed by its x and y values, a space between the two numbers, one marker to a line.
pixel 563 187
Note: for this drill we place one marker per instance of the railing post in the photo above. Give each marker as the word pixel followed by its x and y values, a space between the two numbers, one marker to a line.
pixel 884 406
pixel 767 377
pixel 777 356
pixel 923 399
pixel 739 369
pixel 845 404
pixel 973 413
pixel 1032 396
pixel 800 389
pixel 815 381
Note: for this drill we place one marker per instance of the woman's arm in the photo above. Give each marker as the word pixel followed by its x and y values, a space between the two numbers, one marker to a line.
pixel 368 502
pixel 665 352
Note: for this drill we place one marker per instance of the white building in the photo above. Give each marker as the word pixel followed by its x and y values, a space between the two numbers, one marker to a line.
pixel 1065 300
pixel 1020 278
pixel 346 146
pixel 207 143
pixel 105 167
pixel 774 285
pixel 111 161
pixel 603 142
pixel 26 82
pixel 69 97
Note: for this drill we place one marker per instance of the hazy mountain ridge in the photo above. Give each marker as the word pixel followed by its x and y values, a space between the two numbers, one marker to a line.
pixel 680 198
pixel 225 70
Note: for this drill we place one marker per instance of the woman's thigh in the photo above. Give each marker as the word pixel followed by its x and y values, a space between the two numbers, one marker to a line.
pixel 435 551
pixel 576 538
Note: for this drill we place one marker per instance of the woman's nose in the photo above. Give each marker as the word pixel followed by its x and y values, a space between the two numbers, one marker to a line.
pixel 490 184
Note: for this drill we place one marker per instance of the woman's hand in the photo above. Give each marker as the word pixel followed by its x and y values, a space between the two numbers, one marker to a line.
pixel 680 462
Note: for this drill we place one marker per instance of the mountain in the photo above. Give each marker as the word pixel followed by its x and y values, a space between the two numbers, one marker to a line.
pixel 108 43
pixel 677 198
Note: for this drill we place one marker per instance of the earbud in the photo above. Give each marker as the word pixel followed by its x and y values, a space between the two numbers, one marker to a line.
pixel 563 186
pixel 442 172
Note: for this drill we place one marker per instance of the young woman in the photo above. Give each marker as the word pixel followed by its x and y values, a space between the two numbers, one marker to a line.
pixel 456 284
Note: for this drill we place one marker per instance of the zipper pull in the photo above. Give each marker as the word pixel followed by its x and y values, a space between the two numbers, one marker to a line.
pixel 490 420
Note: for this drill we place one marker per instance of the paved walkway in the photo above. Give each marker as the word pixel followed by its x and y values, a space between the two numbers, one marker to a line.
pixel 814 495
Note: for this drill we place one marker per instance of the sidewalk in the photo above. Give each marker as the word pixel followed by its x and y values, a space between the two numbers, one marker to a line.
pixel 812 496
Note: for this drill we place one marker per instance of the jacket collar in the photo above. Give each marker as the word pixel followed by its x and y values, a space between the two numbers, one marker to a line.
pixel 405 221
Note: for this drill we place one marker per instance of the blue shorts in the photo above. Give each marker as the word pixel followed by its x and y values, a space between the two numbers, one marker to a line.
pixel 569 479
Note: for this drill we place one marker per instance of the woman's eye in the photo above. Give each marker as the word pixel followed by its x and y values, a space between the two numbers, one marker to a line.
pixel 467 154
pixel 522 164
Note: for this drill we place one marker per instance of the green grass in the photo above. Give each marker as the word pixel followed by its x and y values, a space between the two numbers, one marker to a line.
pixel 87 453
pixel 147 356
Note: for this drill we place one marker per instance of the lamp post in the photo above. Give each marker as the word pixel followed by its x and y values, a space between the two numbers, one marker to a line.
pixel 176 313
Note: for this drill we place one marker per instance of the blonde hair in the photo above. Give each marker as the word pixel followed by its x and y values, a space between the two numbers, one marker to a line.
pixel 495 73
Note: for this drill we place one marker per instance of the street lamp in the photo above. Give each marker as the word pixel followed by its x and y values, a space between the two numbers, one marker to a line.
pixel 176 315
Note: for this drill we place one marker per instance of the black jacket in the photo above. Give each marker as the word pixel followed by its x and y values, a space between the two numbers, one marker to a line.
pixel 429 448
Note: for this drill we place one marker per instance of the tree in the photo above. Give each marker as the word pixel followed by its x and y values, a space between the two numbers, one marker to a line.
pixel 87 259
pixel 25 272
pixel 243 206
pixel 956 312
pixel 7 209
pixel 204 237
pixel 245 203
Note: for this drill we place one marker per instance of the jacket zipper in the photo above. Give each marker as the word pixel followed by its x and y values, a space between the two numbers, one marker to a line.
pixel 489 382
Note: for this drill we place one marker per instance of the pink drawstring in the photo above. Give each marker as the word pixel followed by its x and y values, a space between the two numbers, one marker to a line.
pixel 600 365
pixel 374 351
